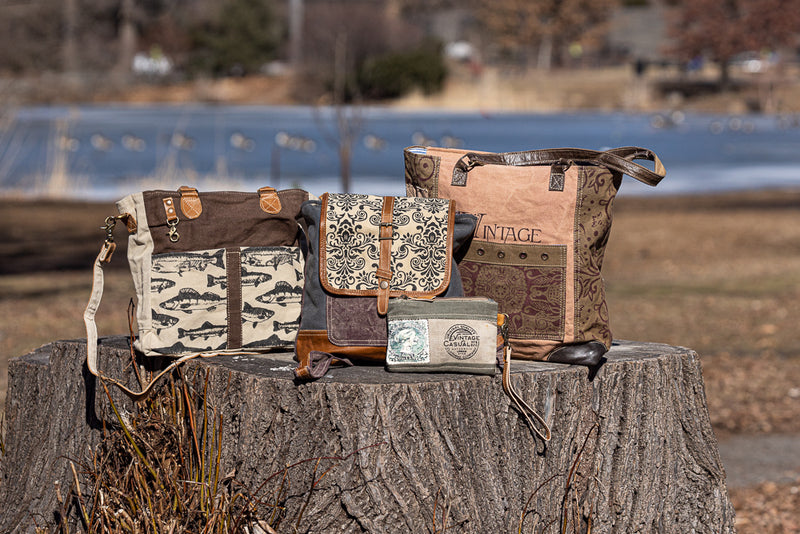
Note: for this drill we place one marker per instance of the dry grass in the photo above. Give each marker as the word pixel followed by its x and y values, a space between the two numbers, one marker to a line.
pixel 159 470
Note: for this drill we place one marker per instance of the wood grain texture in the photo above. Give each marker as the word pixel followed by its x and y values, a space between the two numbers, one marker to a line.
pixel 632 447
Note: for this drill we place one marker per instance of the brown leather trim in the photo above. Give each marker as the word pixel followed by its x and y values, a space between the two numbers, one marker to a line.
pixel 323 274
pixel 269 201
pixel 130 222
pixel 308 340
pixel 191 207
pixel 234 284
pixel 384 273
pixel 169 209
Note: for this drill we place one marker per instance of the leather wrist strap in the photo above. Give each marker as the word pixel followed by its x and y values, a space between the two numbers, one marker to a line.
pixel 508 387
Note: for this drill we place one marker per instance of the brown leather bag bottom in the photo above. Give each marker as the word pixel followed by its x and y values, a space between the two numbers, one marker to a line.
pixel 311 340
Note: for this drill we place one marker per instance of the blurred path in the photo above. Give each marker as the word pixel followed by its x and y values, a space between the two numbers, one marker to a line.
pixel 750 460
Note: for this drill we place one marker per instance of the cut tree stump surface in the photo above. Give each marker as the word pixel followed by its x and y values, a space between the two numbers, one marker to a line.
pixel 632 447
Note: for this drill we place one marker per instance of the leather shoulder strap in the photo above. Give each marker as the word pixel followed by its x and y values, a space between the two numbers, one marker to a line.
pixel 618 159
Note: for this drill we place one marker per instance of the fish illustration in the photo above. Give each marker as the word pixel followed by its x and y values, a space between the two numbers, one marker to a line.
pixel 289 326
pixel 273 341
pixel 163 321
pixel 254 279
pixel 158 285
pixel 206 331
pixel 221 280
pixel 283 293
pixel 251 314
pixel 189 300
pixel 273 260
pixel 178 347
pixel 184 262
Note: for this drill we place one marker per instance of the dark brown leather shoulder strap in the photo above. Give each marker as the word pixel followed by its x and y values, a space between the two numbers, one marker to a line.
pixel 618 159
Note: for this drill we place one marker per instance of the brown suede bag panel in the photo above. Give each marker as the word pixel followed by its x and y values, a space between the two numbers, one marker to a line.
pixel 228 219
pixel 343 329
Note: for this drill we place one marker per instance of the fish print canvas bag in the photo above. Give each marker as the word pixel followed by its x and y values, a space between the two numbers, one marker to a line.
pixel 544 218
pixel 216 272
pixel 362 251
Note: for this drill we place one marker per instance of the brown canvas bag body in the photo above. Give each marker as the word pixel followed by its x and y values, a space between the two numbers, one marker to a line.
pixel 544 218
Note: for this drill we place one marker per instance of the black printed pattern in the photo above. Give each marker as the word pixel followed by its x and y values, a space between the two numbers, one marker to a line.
pixel 419 257
pixel 189 299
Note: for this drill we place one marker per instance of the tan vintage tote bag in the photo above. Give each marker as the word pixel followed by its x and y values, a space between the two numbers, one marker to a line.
pixel 544 218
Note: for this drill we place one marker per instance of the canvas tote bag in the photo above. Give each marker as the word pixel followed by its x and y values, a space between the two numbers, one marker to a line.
pixel 214 272
pixel 544 218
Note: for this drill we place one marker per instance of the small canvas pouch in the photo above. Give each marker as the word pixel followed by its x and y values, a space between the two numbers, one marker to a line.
pixel 456 335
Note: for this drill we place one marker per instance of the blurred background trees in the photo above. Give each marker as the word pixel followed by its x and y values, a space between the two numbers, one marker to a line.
pixel 376 49
pixel 547 31
pixel 721 30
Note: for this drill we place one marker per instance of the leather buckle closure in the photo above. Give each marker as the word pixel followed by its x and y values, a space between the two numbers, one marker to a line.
pixel 384 274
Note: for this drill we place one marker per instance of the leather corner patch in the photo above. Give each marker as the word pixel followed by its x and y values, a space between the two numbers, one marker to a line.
pixel 269 201
pixel 191 207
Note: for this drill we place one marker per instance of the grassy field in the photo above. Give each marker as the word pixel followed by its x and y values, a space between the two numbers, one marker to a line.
pixel 719 274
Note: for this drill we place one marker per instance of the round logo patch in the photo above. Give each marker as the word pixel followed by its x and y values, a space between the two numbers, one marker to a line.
pixel 461 341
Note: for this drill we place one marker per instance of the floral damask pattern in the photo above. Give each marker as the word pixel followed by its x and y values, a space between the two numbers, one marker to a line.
pixel 532 297
pixel 419 251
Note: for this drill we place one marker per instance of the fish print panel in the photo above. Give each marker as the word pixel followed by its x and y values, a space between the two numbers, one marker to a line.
pixel 189 311
pixel 271 294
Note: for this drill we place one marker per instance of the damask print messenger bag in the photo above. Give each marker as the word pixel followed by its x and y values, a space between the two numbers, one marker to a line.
pixel 544 218
pixel 217 272
pixel 362 250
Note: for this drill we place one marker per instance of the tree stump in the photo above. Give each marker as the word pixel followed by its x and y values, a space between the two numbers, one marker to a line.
pixel 632 447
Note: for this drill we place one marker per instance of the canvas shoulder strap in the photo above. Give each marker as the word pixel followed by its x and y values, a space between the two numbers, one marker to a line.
pixel 104 257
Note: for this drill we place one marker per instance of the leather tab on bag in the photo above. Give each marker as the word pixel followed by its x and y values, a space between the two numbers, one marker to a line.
pixel 191 207
pixel 106 252
pixel 268 198
pixel 169 209
pixel 384 273
pixel 557 173
pixel 460 171
pixel 130 222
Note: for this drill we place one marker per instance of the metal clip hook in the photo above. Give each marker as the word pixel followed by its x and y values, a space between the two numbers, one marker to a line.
pixel 173 234
pixel 111 221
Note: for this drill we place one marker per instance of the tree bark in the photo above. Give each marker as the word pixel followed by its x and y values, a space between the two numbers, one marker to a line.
pixel 632 447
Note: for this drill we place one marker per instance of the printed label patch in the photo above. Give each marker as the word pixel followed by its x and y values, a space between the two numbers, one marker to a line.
pixel 408 342
pixel 461 341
